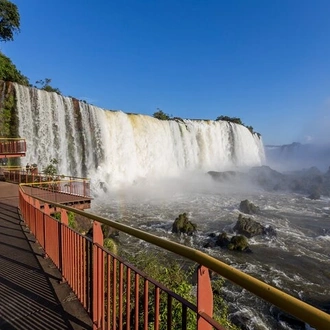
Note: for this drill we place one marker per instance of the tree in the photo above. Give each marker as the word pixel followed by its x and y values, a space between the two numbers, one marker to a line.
pixel 161 115
pixel 51 169
pixel 9 72
pixel 45 85
pixel 9 20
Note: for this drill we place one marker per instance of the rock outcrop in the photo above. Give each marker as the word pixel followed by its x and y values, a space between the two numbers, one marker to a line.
pixel 183 225
pixel 247 207
pixel 249 228
pixel 235 243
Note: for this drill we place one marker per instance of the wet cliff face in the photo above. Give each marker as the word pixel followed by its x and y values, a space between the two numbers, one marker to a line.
pixel 8 113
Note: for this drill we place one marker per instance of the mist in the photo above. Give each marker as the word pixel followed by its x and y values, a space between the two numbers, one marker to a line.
pixel 298 156
pixel 155 190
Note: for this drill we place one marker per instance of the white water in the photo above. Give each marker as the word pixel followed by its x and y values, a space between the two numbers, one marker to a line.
pixel 296 261
pixel 114 147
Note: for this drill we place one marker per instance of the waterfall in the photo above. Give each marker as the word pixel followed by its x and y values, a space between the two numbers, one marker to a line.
pixel 114 147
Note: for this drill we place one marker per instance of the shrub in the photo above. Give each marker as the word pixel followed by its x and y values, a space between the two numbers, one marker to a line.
pixel 161 115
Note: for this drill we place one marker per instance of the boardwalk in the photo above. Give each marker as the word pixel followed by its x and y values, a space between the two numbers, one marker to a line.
pixel 31 296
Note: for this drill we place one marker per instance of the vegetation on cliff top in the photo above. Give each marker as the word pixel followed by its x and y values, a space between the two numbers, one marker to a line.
pixel 236 120
pixel 161 115
pixel 9 72
pixel 45 86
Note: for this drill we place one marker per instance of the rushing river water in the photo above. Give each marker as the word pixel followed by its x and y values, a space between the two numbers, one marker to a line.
pixel 296 261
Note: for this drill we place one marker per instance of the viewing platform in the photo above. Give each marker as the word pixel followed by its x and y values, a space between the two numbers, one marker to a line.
pixel 66 190
pixel 12 147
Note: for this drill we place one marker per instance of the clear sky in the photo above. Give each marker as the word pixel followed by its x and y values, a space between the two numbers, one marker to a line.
pixel 265 61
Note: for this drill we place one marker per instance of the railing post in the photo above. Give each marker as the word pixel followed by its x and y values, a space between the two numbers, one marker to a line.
pixel 98 277
pixel 64 220
pixel 204 297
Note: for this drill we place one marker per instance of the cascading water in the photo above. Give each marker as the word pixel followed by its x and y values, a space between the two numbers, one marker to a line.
pixel 113 147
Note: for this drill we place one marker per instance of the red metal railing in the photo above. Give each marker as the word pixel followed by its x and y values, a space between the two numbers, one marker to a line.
pixel 12 147
pixel 116 294
pixel 60 184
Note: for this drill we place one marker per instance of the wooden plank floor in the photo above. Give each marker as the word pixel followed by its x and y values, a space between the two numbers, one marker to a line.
pixel 30 294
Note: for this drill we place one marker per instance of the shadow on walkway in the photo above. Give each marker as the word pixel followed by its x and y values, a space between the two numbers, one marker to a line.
pixel 30 294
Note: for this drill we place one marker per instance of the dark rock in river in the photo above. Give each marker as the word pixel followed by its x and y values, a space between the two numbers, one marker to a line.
pixel 183 225
pixel 247 207
pixel 249 228
pixel 223 240
pixel 236 243
pixel 239 243
pixel 224 176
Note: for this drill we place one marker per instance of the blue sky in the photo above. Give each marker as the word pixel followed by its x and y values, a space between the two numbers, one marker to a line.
pixel 265 61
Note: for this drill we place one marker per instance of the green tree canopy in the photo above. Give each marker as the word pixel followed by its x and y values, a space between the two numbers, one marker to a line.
pixel 9 20
pixel 45 85
pixel 160 114
pixel 9 72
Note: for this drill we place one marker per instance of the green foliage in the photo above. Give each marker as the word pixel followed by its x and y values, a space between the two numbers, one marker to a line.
pixel 51 169
pixel 72 223
pixel 9 72
pixel 230 119
pixel 111 245
pixel 161 115
pixel 178 279
pixel 9 20
pixel 45 85
pixel 237 120
pixel 250 128
pixel 6 114
pixel 175 278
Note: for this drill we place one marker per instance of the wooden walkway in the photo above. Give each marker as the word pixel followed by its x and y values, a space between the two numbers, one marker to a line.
pixel 31 296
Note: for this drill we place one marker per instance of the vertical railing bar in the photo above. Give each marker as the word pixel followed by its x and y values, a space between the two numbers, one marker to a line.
pixel 74 261
pixel 120 313
pixel 84 284
pixel 146 304
pixel 184 316
pixel 169 312
pixel 128 297
pixel 114 293
pixel 136 319
pixel 109 302
pixel 79 272
pixel 70 255
pixel 103 254
pixel 90 275
pixel 156 314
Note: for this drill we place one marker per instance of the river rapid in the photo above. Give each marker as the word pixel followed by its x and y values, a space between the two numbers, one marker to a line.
pixel 296 261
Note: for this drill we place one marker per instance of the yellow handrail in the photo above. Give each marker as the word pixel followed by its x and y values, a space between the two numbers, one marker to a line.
pixel 286 302
pixel 11 139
